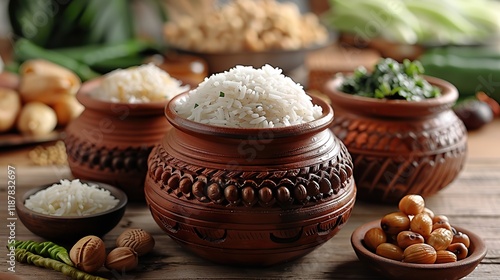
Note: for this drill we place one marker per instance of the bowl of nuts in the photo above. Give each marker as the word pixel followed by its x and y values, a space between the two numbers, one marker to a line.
pixel 413 243
pixel 251 33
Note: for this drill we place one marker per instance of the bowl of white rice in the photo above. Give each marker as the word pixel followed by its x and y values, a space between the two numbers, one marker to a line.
pixel 250 173
pixel 70 209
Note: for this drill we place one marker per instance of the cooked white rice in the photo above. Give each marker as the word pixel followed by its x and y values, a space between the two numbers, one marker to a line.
pixel 250 98
pixel 139 84
pixel 71 198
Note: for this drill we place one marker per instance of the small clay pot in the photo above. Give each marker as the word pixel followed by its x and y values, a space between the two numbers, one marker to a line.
pixel 400 147
pixel 110 142
pixel 253 197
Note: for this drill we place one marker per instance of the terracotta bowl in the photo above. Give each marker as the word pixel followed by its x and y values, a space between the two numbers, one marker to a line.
pixel 71 228
pixel 399 270
pixel 253 197
pixel 110 142
pixel 400 147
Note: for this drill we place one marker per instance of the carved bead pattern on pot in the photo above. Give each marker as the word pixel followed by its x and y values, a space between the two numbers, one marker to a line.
pixel 101 158
pixel 260 208
pixel 254 187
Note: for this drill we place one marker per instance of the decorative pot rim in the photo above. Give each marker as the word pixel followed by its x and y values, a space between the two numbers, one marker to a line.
pixel 115 108
pixel 394 108
pixel 186 125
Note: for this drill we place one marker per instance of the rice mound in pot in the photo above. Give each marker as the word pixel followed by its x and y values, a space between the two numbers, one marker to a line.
pixel 138 84
pixel 247 97
pixel 71 198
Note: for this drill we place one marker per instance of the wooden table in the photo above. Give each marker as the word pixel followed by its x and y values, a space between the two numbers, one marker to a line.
pixel 471 201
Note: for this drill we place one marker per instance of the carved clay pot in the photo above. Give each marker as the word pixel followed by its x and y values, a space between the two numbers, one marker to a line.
pixel 400 147
pixel 110 142
pixel 250 196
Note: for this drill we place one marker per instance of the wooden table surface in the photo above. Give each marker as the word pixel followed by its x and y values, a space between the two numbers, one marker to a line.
pixel 471 201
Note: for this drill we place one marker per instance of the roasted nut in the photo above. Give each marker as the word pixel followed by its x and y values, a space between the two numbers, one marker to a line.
pixel 422 224
pixel 440 239
pixel 428 212
pixel 440 219
pixel 88 254
pixel 374 237
pixel 390 251
pixel 441 224
pixel 138 239
pixel 420 253
pixel 407 238
pixel 244 26
pixel 460 237
pixel 122 259
pixel 394 223
pixel 411 204
pixel 445 256
pixel 459 250
pixel 424 238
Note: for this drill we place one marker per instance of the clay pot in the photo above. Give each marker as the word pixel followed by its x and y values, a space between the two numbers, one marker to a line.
pixel 400 147
pixel 110 142
pixel 253 197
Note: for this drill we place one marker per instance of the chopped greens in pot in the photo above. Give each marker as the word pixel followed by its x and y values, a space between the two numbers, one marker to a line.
pixel 391 80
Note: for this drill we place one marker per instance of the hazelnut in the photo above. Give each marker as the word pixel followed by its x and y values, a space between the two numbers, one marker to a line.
pixel 138 239
pixel 122 259
pixel 420 253
pixel 88 254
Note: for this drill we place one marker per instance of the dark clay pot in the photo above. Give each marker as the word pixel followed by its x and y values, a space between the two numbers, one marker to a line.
pixel 400 147
pixel 254 197
pixel 110 142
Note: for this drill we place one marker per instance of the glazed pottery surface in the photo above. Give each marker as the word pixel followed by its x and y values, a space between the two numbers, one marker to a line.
pixel 250 196
pixel 71 228
pixel 400 147
pixel 110 142
pixel 392 269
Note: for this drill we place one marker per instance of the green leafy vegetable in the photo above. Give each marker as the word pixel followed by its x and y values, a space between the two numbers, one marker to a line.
pixel 391 80
pixel 222 94
pixel 89 37
pixel 55 24
pixel 26 50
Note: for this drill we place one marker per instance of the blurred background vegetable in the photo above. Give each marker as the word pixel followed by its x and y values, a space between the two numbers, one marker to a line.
pixel 470 69
pixel 425 22
pixel 89 37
